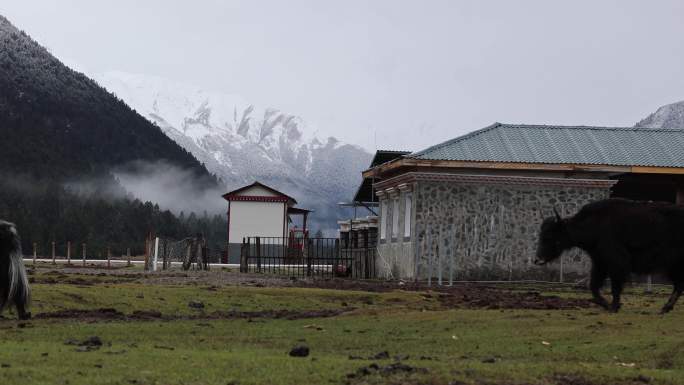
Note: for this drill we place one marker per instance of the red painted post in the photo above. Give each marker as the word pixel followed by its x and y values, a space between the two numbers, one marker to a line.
pixel 227 258
pixel 68 252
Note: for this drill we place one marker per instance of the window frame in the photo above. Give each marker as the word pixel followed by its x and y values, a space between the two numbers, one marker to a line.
pixel 408 215
pixel 395 218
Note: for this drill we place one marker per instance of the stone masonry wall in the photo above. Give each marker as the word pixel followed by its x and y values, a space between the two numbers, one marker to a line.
pixel 470 231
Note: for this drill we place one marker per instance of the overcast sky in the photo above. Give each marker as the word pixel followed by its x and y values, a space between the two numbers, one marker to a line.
pixel 388 74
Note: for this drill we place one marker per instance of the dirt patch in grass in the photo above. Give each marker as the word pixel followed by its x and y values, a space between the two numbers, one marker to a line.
pixel 82 278
pixel 490 298
pixel 461 295
pixel 279 314
pixel 83 314
pixel 58 280
pixel 359 285
pixel 573 379
pixel 110 314
pixel 393 373
pixel 92 266
pixel 476 296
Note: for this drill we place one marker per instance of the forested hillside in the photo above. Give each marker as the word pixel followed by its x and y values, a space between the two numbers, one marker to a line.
pixel 48 211
pixel 55 121
pixel 56 126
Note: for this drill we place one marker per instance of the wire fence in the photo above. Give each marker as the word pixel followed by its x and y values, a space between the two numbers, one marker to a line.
pixel 189 253
pixel 74 253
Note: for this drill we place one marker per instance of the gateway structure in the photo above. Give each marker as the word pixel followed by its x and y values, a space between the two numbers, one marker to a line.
pixel 257 210
pixel 470 208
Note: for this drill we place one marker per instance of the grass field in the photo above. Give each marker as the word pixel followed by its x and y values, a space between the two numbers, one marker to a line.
pixel 243 333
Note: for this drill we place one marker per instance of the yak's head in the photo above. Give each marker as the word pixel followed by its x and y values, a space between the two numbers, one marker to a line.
pixel 553 239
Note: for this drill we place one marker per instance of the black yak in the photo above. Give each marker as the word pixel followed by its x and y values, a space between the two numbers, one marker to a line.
pixel 14 285
pixel 621 237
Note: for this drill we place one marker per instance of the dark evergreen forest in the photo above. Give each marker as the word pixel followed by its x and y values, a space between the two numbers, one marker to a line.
pixel 46 211
pixel 56 126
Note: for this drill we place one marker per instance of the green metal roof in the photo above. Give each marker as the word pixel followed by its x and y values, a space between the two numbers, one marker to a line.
pixel 522 143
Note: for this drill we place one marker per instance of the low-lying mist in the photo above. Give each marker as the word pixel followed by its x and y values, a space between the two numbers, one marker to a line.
pixel 171 187
pixel 102 211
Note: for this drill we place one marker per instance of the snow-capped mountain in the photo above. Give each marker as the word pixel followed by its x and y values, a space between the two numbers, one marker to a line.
pixel 667 116
pixel 241 143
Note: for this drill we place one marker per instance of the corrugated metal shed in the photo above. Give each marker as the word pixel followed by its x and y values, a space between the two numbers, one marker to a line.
pixel 521 143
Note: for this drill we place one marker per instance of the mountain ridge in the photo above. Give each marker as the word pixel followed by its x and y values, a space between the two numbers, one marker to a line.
pixel 63 139
pixel 62 123
pixel 241 143
pixel 667 116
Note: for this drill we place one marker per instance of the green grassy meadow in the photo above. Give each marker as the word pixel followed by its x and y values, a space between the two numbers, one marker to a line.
pixel 433 343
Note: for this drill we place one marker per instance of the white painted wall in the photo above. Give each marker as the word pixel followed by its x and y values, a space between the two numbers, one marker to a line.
pixel 251 219
pixel 383 219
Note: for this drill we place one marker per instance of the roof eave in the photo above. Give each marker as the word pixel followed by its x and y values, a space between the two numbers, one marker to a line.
pixel 391 165
pixel 227 195
pixel 563 167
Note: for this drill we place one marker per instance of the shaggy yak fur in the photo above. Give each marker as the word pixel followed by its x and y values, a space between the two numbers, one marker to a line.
pixel 14 285
pixel 621 237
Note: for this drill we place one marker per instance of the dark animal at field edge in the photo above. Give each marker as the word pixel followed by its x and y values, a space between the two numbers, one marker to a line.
pixel 621 237
pixel 14 285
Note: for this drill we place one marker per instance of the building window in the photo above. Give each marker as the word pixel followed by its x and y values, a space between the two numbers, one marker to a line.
pixel 407 216
pixel 395 218
pixel 383 220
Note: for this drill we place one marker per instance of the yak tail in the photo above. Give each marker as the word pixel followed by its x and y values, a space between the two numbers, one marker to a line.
pixel 17 287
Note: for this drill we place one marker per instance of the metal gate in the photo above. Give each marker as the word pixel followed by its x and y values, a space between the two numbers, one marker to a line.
pixel 308 257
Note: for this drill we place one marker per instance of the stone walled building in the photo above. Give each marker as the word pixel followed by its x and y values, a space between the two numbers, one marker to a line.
pixel 470 208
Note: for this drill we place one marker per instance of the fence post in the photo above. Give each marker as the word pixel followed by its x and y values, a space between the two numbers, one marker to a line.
pixel 337 257
pixel 128 257
pixel 561 269
pixel 147 253
pixel 68 252
pixel 35 252
pixel 84 253
pixel 109 257
pixel 308 256
pixel 244 268
pixel 164 255
pixel 205 255
pixel 258 254
pixel 156 254
pixel 365 262
pixel 53 253
pixel 649 284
